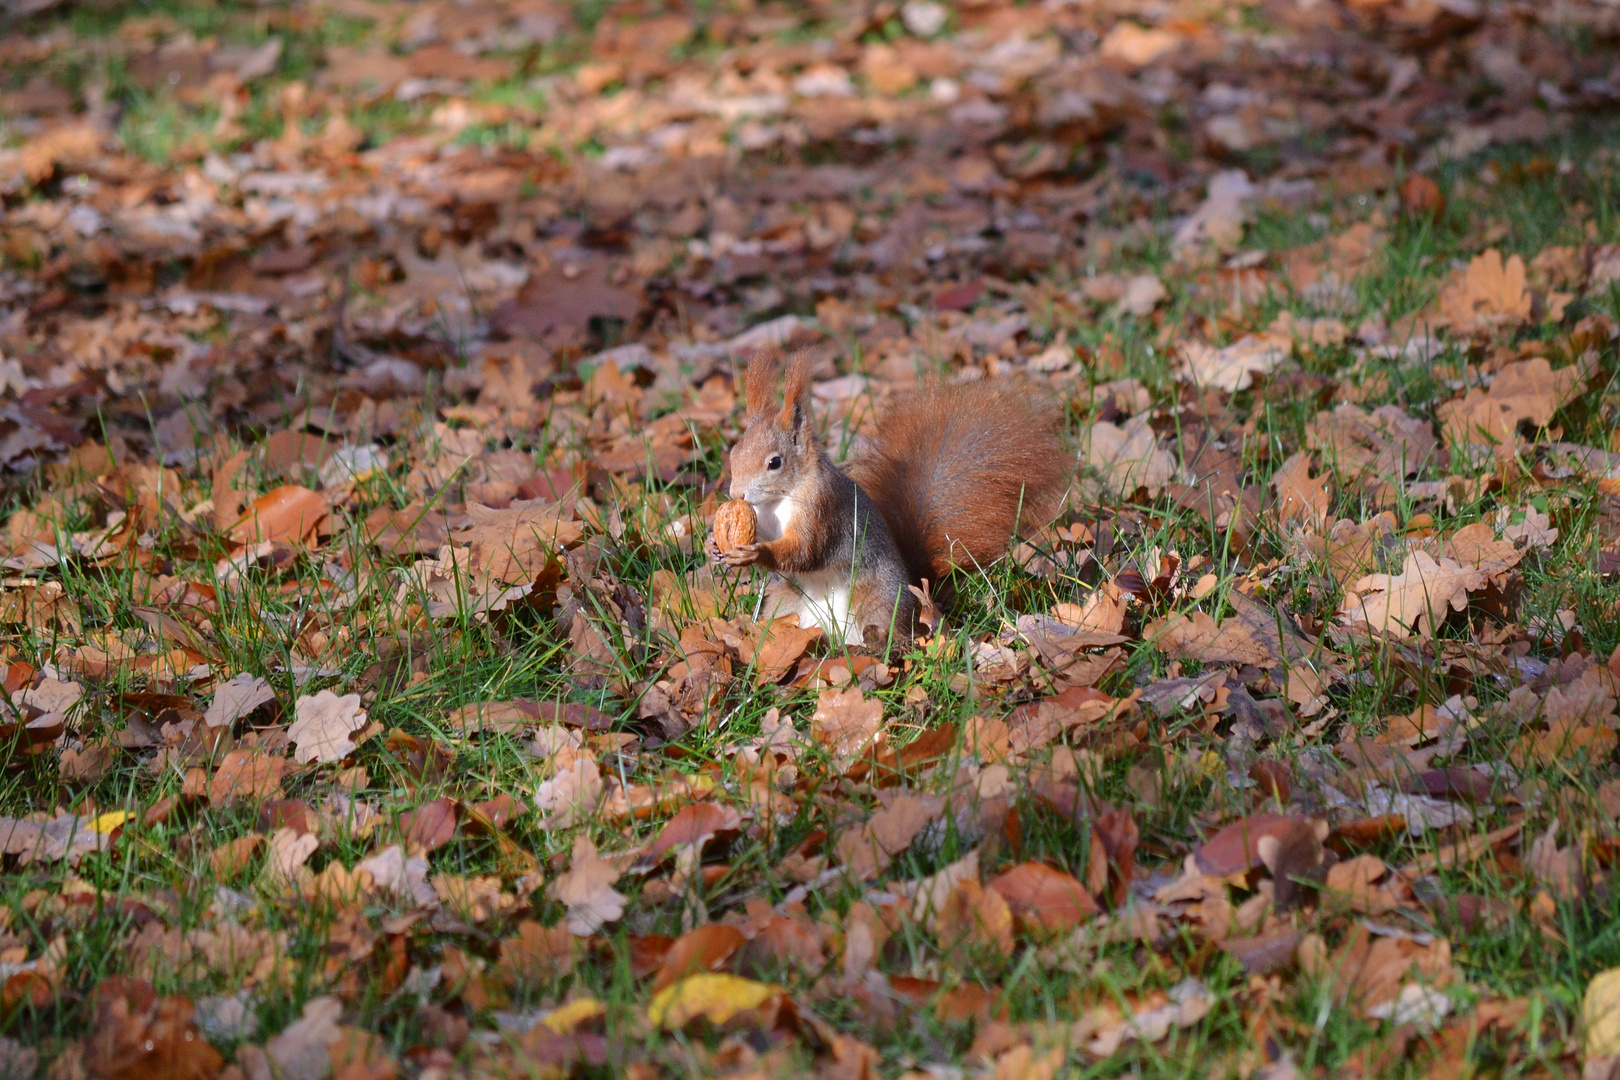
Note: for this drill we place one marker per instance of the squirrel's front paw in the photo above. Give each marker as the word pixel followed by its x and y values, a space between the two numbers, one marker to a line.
pixel 741 555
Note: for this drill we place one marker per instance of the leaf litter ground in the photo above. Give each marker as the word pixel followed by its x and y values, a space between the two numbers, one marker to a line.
pixel 367 373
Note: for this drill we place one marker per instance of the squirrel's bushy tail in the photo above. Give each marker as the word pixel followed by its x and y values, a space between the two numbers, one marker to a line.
pixel 958 469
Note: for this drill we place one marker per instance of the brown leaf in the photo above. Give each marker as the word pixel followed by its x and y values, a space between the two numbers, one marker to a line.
pixel 232 857
pixel 1302 499
pixel 1118 834
pixel 694 824
pixel 538 954
pixel 430 826
pixel 1236 848
pixel 1488 295
pixel 867 851
pixel 586 889
pixel 564 299
pixel 1527 391
pixel 706 948
pixel 1561 871
pixel 289 512
pixel 845 721
pixel 237 698
pixel 1265 952
pixel 975 915
pixel 322 726
pixel 1416 600
pixel 246 774
pixel 1044 900
pixel 1383 445
pixel 139 1036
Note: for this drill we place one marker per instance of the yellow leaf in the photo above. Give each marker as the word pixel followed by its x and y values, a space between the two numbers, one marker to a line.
pixel 110 821
pixel 566 1018
pixel 1600 1015
pixel 716 997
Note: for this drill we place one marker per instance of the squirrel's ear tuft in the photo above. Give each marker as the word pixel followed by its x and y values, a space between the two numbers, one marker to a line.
pixel 761 381
pixel 796 395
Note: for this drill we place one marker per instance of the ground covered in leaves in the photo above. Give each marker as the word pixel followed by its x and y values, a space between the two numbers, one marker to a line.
pixel 370 711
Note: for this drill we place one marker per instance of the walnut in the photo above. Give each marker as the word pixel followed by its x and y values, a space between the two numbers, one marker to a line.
pixel 734 525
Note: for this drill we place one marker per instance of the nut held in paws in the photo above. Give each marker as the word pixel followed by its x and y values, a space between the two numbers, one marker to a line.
pixel 734 525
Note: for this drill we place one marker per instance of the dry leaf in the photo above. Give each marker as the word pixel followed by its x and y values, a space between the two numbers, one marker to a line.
pixel 1302 499
pixel 1232 368
pixel 572 794
pixel 288 513
pixel 1043 899
pixel 716 998
pixel 1525 391
pixel 586 889
pixel 322 726
pixel 1126 459
pixel 246 774
pixel 1487 296
pixel 867 851
pixel 236 698
pixel 1416 600
pixel 845 722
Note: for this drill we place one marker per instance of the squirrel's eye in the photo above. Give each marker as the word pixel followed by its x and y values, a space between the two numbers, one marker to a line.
pixel 775 462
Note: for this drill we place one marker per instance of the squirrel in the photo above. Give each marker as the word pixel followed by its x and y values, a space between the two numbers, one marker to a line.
pixel 952 473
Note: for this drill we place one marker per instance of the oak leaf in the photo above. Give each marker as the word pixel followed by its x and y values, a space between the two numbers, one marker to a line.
pixel 572 794
pixel 1416 600
pixel 845 721
pixel 1231 368
pixel 1043 899
pixel 1127 458
pixel 1487 295
pixel 1528 391
pixel 586 889
pixel 236 698
pixel 322 726
pixel 1302 499
pixel 867 851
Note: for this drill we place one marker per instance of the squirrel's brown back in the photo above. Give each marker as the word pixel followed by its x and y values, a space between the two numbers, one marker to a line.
pixel 957 469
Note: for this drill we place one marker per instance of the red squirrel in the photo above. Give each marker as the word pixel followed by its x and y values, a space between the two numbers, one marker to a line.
pixel 952 473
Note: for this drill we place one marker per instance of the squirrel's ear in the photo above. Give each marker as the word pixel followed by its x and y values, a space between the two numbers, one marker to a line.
pixel 796 393
pixel 761 381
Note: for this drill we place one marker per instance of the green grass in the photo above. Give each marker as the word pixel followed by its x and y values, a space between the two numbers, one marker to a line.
pixel 520 653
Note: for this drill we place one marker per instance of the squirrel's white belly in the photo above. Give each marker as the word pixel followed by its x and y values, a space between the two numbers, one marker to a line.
pixel 773 518
pixel 822 599
pixel 825 600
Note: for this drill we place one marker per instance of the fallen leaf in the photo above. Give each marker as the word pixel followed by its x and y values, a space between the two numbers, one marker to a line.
pixel 1489 294
pixel 586 889
pixel 1127 459
pixel 301 1050
pixel 322 726
pixel 237 698
pixel 289 513
pixel 716 998
pixel 845 722
pixel 246 774
pixel 1416 600
pixel 1043 899
pixel 1231 368
pixel 868 850
pixel 705 948
pixel 1302 499
pixel 138 1035
pixel 1527 391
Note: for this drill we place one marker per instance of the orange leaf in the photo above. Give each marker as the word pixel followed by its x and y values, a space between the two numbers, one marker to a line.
pixel 289 512
pixel 1044 899
pixel 703 949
